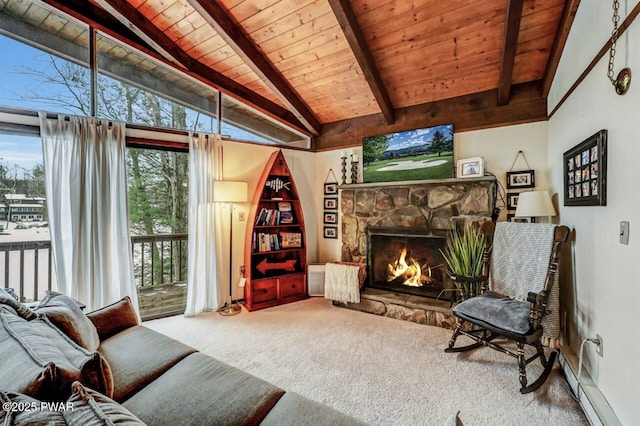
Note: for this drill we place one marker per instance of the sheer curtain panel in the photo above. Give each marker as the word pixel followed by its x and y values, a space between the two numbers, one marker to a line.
pixel 204 291
pixel 86 188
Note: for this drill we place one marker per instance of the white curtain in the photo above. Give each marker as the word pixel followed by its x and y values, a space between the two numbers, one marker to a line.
pixel 86 188
pixel 204 291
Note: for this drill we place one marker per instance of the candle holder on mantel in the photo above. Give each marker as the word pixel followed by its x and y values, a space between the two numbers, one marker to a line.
pixel 354 168
pixel 343 157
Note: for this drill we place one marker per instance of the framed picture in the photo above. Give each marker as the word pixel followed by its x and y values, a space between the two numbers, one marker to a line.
pixel 330 232
pixel 585 172
pixel 418 154
pixel 330 203
pixel 470 167
pixel 512 218
pixel 521 179
pixel 512 200
pixel 330 218
pixel 330 188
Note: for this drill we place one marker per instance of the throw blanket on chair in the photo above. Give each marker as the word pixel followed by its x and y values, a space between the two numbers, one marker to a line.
pixel 341 283
pixel 519 265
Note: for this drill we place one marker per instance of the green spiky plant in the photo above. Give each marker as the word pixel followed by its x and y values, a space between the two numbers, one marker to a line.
pixel 463 256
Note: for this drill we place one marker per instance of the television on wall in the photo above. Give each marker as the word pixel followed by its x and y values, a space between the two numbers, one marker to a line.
pixel 419 154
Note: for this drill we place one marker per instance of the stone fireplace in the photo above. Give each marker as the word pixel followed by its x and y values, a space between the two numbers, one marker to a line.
pixel 413 214
pixel 408 261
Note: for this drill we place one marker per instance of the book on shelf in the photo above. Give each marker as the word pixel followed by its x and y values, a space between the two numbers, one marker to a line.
pixel 284 206
pixel 270 217
pixel 263 242
pixel 286 217
pixel 291 239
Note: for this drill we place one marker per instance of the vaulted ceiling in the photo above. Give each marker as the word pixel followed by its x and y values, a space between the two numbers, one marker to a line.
pixel 310 63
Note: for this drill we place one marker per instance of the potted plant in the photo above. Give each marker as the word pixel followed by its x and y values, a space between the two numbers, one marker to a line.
pixel 464 256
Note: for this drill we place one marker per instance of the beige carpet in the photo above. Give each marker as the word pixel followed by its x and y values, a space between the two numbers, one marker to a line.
pixel 379 370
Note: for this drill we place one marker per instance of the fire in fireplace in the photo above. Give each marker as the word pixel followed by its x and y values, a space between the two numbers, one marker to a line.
pixel 407 261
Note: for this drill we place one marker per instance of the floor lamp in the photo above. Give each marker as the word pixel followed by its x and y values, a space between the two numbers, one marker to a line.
pixel 228 191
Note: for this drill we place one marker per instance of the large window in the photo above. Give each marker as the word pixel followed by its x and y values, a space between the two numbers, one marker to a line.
pixel 136 89
pixel 46 67
pixel 33 79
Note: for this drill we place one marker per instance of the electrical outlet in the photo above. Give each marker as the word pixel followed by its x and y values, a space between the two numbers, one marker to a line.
pixel 599 346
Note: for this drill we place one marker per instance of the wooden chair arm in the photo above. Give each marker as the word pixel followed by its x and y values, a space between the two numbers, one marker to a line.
pixel 538 307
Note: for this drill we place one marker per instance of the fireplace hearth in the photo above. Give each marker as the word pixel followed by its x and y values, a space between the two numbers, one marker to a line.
pixel 409 261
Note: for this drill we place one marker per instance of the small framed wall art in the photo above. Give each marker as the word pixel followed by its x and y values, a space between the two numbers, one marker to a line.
pixel 585 172
pixel 513 218
pixel 521 179
pixel 330 203
pixel 512 200
pixel 330 188
pixel 330 232
pixel 470 167
pixel 330 218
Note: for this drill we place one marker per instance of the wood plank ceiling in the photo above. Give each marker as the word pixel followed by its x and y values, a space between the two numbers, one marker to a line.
pixel 325 61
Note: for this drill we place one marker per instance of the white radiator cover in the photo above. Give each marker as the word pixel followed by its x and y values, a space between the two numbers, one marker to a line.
pixel 315 281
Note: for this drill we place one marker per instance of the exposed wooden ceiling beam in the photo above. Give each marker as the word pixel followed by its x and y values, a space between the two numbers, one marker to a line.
pixel 143 28
pixel 511 30
pixel 347 19
pixel 105 22
pixel 468 112
pixel 235 37
pixel 568 15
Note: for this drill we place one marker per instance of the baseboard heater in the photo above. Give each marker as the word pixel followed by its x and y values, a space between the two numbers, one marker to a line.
pixel 593 403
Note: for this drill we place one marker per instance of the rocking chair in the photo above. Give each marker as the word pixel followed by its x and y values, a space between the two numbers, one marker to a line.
pixel 522 269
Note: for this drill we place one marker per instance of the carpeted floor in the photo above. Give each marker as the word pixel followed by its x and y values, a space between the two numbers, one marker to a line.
pixel 379 370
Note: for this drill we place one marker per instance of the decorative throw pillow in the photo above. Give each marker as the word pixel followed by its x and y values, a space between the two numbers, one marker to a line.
pixel 19 409
pixel 65 314
pixel 7 299
pixel 42 362
pixel 114 318
pixel 92 408
pixel 94 370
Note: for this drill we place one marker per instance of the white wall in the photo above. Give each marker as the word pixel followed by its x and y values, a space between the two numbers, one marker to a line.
pixel 606 273
pixel 245 162
pixel 497 146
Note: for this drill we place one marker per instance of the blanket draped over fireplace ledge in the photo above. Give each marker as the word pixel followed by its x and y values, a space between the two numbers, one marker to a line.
pixel 341 283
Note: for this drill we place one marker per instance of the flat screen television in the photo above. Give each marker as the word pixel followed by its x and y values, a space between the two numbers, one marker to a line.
pixel 419 154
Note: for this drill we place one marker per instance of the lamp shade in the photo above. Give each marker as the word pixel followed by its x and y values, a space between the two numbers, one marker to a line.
pixel 229 191
pixel 534 204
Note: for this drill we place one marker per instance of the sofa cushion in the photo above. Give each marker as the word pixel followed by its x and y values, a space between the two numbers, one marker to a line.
pixel 114 318
pixel 22 310
pixel 24 410
pixel 293 409
pixel 137 356
pixel 42 362
pixel 65 314
pixel 219 393
pixel 92 408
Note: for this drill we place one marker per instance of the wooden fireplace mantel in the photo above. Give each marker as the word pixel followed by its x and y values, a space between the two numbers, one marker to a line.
pixel 416 182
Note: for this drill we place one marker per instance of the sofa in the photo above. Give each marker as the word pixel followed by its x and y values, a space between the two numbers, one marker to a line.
pixel 61 366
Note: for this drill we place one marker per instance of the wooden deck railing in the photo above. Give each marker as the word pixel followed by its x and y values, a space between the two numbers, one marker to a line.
pixel 159 263
pixel 26 267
